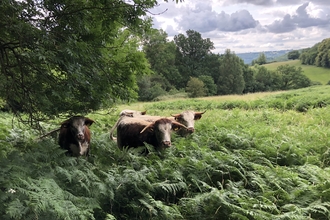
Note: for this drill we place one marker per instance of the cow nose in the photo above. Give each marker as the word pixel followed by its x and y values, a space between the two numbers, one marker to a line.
pixel 80 136
pixel 167 143
pixel 191 130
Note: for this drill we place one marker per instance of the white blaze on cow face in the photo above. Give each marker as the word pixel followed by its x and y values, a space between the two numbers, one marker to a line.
pixel 78 129
pixel 188 119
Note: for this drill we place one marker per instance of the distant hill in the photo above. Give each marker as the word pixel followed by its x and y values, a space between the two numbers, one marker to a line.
pixel 270 56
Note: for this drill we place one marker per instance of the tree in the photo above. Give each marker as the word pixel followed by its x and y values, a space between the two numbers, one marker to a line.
pixel 249 79
pixel 161 56
pixel 190 54
pixel 195 88
pixel 230 79
pixel 260 60
pixel 323 56
pixel 150 87
pixel 292 55
pixel 266 80
pixel 209 86
pixel 70 56
pixel 292 77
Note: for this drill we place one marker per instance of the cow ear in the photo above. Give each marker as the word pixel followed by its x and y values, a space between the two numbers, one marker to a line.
pixel 88 121
pixel 143 113
pixel 65 123
pixel 198 115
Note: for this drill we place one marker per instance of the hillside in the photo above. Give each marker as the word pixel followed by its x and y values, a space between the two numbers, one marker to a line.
pixel 317 74
pixel 270 56
pixel 256 156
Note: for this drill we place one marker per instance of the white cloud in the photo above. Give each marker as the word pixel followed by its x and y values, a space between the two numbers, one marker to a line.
pixel 248 25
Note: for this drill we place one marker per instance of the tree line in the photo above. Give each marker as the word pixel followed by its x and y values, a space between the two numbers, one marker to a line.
pixel 188 64
pixel 318 55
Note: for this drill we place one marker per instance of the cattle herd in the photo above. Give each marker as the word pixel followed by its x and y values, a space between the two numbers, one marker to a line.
pixel 134 128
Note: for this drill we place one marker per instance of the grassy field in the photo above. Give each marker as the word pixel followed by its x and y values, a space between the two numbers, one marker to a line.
pixel 317 74
pixel 257 156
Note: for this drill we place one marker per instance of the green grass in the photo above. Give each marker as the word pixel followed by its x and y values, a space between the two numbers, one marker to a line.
pixel 255 156
pixel 317 74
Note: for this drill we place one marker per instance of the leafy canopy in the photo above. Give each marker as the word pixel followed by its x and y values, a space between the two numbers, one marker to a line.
pixel 70 56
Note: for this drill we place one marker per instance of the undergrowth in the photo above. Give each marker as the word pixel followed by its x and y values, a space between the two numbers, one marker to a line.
pixel 246 160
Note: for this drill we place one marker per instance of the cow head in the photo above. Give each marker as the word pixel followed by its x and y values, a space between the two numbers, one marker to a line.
pixel 76 125
pixel 162 129
pixel 188 118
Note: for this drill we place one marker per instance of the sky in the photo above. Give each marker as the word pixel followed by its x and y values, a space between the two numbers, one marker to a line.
pixel 247 25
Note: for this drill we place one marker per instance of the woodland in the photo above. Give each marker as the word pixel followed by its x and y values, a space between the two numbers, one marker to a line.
pixel 250 158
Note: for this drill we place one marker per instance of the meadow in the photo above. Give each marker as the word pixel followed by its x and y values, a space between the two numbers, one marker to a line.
pixel 255 156
pixel 314 73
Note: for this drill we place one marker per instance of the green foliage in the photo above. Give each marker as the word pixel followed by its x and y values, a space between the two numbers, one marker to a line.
pixel 292 78
pixel 209 85
pixel 314 73
pixel 317 55
pixel 265 79
pixel 195 88
pixel 292 55
pixel 69 56
pixel 260 60
pixel 249 79
pixel 161 56
pixel 191 51
pixel 151 87
pixel 230 78
pixel 258 159
pixel 323 57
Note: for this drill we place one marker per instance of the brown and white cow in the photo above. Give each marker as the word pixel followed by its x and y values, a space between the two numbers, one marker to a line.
pixel 75 135
pixel 188 119
pixel 125 113
pixel 134 132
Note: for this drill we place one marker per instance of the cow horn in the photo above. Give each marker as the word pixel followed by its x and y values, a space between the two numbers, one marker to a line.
pixel 149 125
pixel 175 115
pixel 200 112
pixel 179 124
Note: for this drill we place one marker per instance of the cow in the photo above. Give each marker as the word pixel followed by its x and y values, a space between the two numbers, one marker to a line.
pixel 134 132
pixel 131 113
pixel 75 135
pixel 125 113
pixel 188 119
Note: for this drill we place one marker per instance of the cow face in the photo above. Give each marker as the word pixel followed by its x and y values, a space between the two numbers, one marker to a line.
pixel 75 135
pixel 77 126
pixel 162 129
pixel 188 119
